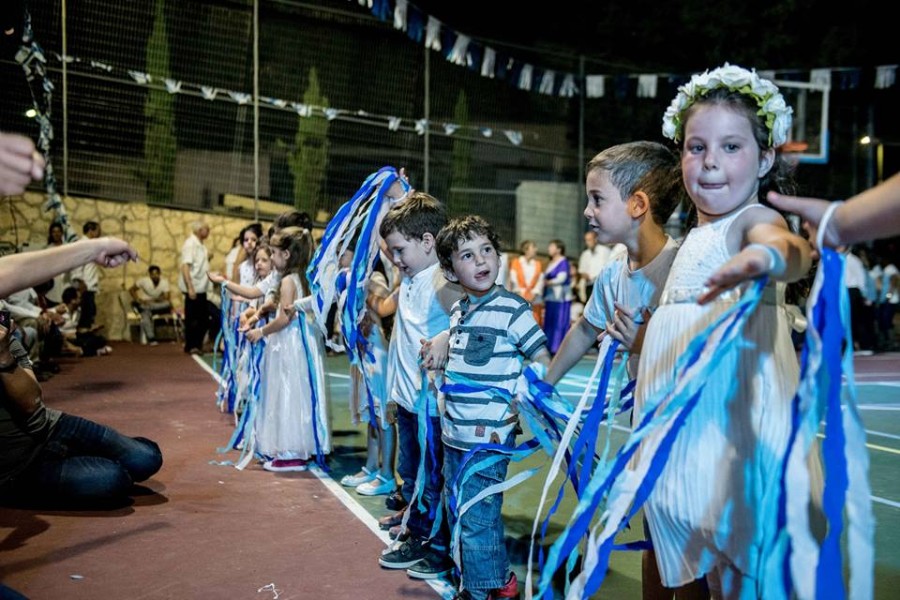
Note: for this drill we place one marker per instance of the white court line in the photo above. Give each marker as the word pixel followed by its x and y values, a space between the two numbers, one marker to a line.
pixel 206 368
pixel 885 501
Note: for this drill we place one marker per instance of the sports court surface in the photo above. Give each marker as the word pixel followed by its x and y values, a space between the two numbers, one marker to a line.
pixel 202 529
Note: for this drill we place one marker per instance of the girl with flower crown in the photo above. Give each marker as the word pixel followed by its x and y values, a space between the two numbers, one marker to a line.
pixel 709 510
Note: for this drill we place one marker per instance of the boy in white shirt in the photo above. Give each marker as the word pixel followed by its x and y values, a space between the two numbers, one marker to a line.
pixel 423 300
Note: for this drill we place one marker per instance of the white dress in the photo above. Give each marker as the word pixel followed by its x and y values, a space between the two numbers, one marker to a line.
pixel 708 505
pixel 288 425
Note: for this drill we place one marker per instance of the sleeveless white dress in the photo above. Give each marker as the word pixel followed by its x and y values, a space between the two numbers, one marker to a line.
pixel 710 504
pixel 287 424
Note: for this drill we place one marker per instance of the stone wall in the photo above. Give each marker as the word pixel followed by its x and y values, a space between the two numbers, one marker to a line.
pixel 156 232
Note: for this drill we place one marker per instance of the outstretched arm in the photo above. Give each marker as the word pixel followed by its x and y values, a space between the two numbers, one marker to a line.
pixel 579 338
pixel 20 271
pixel 870 215
pixel 235 289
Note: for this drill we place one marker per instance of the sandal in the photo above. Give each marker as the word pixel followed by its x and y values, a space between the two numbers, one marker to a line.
pixel 377 487
pixel 364 476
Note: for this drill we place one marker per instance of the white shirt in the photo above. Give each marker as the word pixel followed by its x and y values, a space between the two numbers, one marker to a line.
pixel 592 261
pixel 423 311
pixel 856 276
pixel 194 254
pixel 23 304
pixel 148 291
pixel 617 283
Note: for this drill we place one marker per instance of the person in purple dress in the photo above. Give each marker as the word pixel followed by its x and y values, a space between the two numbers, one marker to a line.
pixel 557 295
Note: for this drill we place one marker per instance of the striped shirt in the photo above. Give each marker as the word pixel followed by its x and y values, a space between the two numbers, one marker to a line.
pixel 489 340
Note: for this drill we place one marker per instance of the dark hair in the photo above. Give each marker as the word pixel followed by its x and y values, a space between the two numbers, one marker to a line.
pixel 291 218
pixel 69 294
pixel 90 226
pixel 55 225
pixel 647 167
pixel 298 242
pixel 459 230
pixel 152 268
pixel 523 247
pixel 414 217
pixel 561 245
pixel 780 177
pixel 255 228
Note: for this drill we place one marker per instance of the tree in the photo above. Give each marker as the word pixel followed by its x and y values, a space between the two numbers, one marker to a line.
pixel 309 159
pixel 462 158
pixel 160 145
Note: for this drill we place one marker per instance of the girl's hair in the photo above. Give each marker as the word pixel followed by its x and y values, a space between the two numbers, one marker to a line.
pixel 561 246
pixel 780 177
pixel 55 225
pixel 255 228
pixel 298 242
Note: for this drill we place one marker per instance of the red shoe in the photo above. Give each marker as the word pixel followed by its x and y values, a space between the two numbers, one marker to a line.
pixel 282 465
pixel 509 590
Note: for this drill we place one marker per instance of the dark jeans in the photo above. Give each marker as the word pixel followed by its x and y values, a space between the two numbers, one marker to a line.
pixel 88 310
pixel 408 457
pixel 84 465
pixel 485 564
pixel 196 321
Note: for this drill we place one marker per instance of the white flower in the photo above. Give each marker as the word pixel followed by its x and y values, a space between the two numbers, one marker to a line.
pixel 772 106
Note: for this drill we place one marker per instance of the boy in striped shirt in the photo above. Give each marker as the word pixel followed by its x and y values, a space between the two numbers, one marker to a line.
pixel 492 331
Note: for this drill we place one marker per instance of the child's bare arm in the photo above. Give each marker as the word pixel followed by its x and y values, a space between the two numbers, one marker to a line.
pixel 235 288
pixel 542 357
pixel 283 318
pixel 434 352
pixel 579 338
pixel 769 249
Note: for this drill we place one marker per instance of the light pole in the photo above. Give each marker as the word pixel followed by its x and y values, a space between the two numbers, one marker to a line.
pixel 867 140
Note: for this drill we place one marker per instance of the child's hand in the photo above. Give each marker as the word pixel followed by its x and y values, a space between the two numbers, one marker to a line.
pixel 254 335
pixel 435 351
pixel 627 328
pixel 215 277
pixel 390 412
pixel 747 264
pixel 249 324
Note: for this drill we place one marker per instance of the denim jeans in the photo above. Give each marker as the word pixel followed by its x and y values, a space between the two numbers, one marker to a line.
pixel 85 464
pixel 408 457
pixel 485 565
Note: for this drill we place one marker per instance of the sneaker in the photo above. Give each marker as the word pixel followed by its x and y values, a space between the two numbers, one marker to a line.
pixel 364 476
pixel 153 343
pixel 391 520
pixel 395 500
pixel 433 566
pixel 405 555
pixel 376 487
pixel 282 465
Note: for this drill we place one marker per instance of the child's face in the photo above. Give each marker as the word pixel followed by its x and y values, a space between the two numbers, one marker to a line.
pixel 607 212
pixel 475 265
pixel 249 241
pixel 721 163
pixel 263 264
pixel 411 255
pixel 280 258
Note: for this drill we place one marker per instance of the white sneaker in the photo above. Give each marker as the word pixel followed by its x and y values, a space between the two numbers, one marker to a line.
pixel 377 487
pixel 356 480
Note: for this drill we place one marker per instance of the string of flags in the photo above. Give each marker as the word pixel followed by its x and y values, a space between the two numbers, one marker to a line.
pixel 393 123
pixel 463 50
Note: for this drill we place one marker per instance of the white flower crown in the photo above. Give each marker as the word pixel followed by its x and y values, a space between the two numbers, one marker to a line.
pixel 736 79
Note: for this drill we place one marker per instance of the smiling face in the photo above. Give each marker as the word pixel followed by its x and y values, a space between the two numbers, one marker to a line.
pixel 411 255
pixel 721 163
pixel 606 211
pixel 475 265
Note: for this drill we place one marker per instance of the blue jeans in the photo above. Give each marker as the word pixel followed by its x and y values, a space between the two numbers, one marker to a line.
pixel 408 457
pixel 85 464
pixel 485 565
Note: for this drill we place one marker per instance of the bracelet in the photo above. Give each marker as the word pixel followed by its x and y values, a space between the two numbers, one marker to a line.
pixel 777 265
pixel 823 223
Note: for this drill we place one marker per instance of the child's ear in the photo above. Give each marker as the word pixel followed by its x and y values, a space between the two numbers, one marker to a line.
pixel 428 241
pixel 451 276
pixel 766 161
pixel 638 204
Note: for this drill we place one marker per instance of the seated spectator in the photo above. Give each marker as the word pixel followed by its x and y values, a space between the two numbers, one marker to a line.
pixel 89 341
pixel 50 459
pixel 151 297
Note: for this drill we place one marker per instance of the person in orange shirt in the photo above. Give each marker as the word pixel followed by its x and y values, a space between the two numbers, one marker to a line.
pixel 526 278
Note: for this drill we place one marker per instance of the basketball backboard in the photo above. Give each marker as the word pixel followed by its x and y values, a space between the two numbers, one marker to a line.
pixel 808 141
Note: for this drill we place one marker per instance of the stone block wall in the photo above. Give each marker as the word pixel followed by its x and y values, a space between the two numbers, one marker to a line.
pixel 156 232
